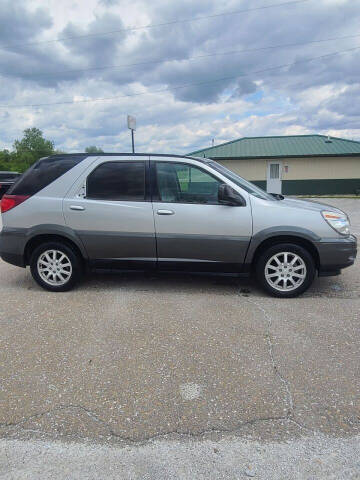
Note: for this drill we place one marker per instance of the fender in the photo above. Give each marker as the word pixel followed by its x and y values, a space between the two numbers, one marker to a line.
pixel 288 231
pixel 61 230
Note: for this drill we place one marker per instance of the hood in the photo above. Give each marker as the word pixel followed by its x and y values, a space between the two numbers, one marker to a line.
pixel 309 205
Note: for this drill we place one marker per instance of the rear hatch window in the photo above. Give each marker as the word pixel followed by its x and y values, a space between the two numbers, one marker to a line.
pixel 44 172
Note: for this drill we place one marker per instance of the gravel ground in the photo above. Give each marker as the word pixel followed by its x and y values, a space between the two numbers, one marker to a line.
pixel 153 376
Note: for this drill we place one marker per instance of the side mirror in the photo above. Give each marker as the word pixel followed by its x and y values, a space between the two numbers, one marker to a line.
pixel 278 196
pixel 228 196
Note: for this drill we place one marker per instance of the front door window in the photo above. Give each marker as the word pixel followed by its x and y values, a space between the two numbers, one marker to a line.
pixel 181 183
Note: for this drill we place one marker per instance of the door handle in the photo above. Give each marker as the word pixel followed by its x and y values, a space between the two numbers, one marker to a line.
pixel 165 212
pixel 77 207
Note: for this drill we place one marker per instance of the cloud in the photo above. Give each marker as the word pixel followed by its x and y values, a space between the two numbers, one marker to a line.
pixel 215 96
pixel 96 49
pixel 19 24
pixel 109 3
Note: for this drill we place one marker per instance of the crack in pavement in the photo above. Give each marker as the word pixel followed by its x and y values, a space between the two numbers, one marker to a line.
pixel 130 440
pixel 89 412
pixel 283 380
pixel 269 340
pixel 289 417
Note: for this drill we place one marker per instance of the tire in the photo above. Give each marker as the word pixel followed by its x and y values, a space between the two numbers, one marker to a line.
pixel 48 274
pixel 293 277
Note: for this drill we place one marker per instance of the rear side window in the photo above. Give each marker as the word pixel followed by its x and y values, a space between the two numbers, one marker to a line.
pixel 117 181
pixel 44 172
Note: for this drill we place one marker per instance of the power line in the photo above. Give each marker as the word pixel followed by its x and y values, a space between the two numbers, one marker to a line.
pixel 155 25
pixel 206 55
pixel 178 87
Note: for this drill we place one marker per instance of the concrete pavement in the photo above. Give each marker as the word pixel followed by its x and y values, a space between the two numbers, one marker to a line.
pixel 129 359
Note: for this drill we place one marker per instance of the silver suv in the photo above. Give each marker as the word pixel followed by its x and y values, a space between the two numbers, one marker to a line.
pixel 68 213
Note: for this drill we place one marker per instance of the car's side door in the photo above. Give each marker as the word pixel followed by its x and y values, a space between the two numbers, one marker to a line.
pixel 110 210
pixel 193 230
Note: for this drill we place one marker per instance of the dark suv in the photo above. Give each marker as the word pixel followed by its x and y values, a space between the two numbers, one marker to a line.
pixel 7 179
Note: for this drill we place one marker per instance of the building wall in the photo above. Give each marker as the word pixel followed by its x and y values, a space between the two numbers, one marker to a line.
pixel 254 169
pixel 322 168
pixel 315 175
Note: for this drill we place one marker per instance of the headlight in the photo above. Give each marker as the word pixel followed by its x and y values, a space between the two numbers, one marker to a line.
pixel 338 221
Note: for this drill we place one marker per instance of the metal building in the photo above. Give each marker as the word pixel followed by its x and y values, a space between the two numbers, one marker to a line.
pixel 293 164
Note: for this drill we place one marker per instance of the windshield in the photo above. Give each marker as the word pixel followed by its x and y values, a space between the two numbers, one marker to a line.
pixel 241 182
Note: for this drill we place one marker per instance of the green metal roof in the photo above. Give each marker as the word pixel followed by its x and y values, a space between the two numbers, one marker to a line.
pixel 284 146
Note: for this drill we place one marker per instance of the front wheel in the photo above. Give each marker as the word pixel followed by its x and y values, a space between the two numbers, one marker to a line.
pixel 55 266
pixel 285 270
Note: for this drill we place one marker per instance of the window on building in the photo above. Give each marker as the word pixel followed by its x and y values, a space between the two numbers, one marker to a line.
pixel 274 170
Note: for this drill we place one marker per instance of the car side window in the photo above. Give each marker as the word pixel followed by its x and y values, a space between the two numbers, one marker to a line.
pixel 184 183
pixel 117 181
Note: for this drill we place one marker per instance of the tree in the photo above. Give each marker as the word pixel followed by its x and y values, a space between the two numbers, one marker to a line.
pixel 34 143
pixel 93 149
pixel 26 151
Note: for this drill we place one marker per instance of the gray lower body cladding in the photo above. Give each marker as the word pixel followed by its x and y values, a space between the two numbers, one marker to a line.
pixel 12 245
pixel 223 249
pixel 118 245
pixel 13 241
pixel 180 253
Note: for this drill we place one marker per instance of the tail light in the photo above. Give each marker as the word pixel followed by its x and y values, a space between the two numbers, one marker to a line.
pixel 10 201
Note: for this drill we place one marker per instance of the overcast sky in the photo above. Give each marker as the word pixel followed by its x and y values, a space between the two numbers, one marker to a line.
pixel 222 97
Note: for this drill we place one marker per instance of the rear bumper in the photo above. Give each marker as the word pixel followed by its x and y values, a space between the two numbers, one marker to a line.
pixel 14 259
pixel 336 254
pixel 12 246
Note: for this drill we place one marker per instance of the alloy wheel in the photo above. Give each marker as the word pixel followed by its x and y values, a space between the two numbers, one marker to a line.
pixel 285 271
pixel 54 267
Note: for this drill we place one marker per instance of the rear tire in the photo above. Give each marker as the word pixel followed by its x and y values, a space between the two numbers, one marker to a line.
pixel 285 270
pixel 56 266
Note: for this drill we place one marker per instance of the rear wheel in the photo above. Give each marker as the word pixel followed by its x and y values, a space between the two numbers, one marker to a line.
pixel 55 266
pixel 285 270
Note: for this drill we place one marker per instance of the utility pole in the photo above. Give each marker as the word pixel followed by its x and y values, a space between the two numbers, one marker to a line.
pixel 131 123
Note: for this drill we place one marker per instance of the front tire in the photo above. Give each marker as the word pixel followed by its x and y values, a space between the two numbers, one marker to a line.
pixel 285 270
pixel 56 266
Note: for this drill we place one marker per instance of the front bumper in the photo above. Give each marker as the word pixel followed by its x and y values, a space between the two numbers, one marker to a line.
pixel 336 254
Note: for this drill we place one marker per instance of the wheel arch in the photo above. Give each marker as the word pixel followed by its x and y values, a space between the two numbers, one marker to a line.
pixel 286 238
pixel 40 238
